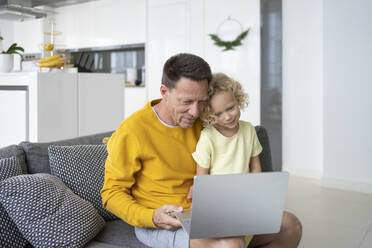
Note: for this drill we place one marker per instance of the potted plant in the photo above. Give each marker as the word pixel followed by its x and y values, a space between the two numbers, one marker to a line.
pixel 6 57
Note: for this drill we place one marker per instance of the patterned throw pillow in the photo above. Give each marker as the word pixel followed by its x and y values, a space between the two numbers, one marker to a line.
pixel 82 169
pixel 9 233
pixel 47 213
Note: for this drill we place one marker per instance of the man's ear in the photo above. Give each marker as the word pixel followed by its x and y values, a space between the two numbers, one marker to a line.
pixel 164 91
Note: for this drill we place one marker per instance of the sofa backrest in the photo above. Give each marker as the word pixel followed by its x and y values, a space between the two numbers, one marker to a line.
pixel 37 159
pixel 36 154
pixel 265 155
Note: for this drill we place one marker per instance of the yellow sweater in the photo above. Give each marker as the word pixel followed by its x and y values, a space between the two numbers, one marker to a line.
pixel 148 165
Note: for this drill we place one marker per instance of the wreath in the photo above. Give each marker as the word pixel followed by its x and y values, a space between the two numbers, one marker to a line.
pixel 229 45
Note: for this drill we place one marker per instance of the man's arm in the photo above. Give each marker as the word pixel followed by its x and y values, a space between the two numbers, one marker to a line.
pixel 121 165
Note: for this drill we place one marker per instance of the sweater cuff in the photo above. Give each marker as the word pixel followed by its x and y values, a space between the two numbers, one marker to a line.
pixel 147 214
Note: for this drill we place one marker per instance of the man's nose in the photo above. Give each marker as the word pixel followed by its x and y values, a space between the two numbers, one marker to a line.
pixel 194 109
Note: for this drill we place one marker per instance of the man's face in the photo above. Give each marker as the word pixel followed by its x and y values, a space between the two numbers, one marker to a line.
pixel 186 101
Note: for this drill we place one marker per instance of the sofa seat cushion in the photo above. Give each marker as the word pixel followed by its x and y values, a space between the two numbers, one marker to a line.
pixel 82 169
pixel 96 244
pixel 47 213
pixel 37 153
pixel 10 236
pixel 118 232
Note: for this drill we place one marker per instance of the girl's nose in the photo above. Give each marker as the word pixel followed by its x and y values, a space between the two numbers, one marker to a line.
pixel 226 116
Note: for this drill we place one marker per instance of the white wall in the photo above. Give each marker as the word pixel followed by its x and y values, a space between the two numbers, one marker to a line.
pixel 347 91
pixel 7 32
pixel 183 26
pixel 29 34
pixel 303 87
pixel 243 63
pixel 327 91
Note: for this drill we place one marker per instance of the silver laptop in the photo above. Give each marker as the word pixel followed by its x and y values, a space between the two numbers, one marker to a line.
pixel 236 205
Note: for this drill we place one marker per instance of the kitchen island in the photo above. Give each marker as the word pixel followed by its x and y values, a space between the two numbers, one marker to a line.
pixel 47 106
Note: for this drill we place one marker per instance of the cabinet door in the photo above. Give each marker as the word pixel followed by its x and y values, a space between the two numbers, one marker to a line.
pixel 164 38
pixel 13 112
pixel 57 108
pixel 100 101
pixel 135 99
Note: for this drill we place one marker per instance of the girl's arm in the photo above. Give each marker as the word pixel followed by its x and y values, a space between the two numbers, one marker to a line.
pixel 199 171
pixel 254 165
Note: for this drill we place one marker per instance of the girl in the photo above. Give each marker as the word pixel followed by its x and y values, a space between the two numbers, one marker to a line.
pixel 226 145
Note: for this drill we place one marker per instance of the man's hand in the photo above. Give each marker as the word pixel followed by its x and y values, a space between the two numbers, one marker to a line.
pixel 162 218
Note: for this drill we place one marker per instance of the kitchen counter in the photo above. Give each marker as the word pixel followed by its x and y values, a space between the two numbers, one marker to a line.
pixel 47 106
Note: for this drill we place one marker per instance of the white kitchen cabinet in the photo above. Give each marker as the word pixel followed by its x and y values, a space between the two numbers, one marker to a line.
pixel 13 126
pixel 42 107
pixel 44 110
pixel 135 99
pixel 53 106
pixel 167 35
pixel 100 102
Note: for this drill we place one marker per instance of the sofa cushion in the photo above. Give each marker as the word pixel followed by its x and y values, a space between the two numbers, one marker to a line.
pixel 47 213
pixel 119 233
pixel 96 244
pixel 9 167
pixel 17 152
pixel 37 153
pixel 10 236
pixel 82 169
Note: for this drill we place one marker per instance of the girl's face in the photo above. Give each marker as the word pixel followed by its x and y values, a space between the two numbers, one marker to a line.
pixel 226 110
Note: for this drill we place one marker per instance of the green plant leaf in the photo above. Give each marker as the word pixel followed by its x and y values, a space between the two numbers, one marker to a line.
pixel 13 49
pixel 243 35
pixel 229 45
pixel 19 49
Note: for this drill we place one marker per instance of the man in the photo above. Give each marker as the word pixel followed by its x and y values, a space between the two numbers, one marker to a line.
pixel 149 169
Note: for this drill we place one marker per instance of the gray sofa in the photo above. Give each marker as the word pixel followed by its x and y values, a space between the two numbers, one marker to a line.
pixel 33 158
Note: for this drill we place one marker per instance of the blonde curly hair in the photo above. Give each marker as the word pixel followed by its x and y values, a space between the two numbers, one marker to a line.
pixel 221 83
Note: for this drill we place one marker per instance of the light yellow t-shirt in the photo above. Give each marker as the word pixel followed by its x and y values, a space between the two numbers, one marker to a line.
pixel 227 155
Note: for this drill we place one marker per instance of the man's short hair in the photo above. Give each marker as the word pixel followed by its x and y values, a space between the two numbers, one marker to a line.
pixel 185 65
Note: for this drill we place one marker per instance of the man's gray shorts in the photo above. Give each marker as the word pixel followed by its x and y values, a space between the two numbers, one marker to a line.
pixel 161 238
